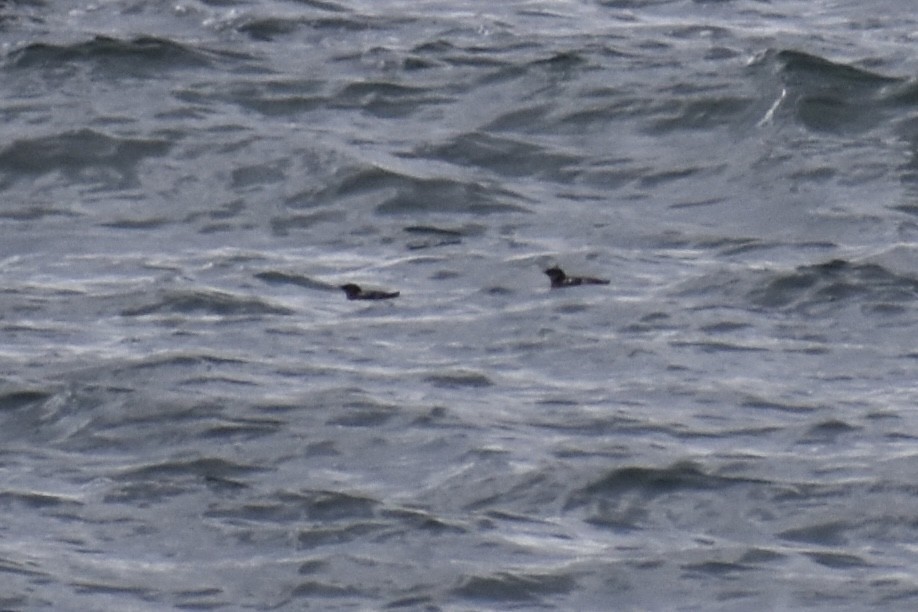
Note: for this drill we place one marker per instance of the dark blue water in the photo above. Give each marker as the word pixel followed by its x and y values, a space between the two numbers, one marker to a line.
pixel 193 416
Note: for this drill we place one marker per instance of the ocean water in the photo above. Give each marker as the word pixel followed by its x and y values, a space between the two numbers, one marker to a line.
pixel 194 417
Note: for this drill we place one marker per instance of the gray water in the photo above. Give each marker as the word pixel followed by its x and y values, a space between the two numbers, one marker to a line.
pixel 193 416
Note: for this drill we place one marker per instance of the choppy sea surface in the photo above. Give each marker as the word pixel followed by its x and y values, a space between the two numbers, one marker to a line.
pixel 193 416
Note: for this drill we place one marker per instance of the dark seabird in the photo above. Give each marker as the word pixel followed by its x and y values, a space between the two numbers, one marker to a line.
pixel 560 279
pixel 354 292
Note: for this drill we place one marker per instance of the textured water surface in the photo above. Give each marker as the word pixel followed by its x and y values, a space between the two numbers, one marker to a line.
pixel 193 416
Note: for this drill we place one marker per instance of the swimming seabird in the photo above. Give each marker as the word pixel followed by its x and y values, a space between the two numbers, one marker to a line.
pixel 354 292
pixel 559 279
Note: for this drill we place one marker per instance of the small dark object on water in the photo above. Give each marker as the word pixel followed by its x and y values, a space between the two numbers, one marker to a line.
pixel 559 279
pixel 354 292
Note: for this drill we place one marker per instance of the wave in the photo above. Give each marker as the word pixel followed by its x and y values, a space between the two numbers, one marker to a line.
pixel 810 289
pixel 392 192
pixel 206 302
pixel 829 96
pixel 812 70
pixel 836 282
pixel 84 155
pixel 509 587
pixel 277 277
pixel 155 482
pixel 144 56
pixel 16 400
pixel 504 156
